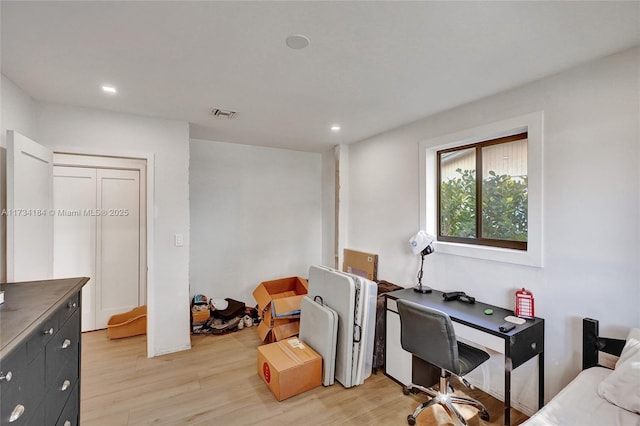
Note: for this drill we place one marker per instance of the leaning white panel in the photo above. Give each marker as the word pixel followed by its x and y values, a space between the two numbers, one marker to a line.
pixel 319 330
pixel 365 326
pixel 354 300
pixel 338 292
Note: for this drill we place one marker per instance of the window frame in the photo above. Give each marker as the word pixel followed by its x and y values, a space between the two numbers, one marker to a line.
pixel 479 171
pixel 533 124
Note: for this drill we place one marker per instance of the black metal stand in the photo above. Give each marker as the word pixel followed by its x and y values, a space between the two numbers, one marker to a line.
pixel 420 288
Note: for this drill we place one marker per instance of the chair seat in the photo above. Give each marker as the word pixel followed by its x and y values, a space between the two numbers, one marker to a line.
pixel 470 358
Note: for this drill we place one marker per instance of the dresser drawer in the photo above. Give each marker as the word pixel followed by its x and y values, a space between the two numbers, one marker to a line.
pixel 63 348
pixel 37 340
pixel 37 419
pixel 23 394
pixel 12 370
pixel 68 308
pixel 59 391
pixel 71 412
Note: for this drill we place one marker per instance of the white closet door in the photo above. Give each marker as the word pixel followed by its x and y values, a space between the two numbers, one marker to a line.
pixel 29 204
pixel 74 232
pixel 118 248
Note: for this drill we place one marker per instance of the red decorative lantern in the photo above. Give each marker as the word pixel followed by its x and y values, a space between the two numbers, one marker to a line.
pixel 524 304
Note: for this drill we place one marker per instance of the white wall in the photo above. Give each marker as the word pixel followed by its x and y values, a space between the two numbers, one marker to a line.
pixel 84 130
pixel 591 210
pixel 255 216
pixel 17 112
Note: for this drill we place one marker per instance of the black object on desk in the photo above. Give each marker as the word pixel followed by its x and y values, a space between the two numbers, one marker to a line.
pixel 460 296
pixel 520 344
pixel 507 326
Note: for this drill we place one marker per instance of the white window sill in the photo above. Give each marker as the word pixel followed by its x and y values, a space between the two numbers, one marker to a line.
pixel 496 254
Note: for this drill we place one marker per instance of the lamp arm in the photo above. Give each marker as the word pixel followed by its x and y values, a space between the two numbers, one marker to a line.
pixel 419 288
pixel 420 272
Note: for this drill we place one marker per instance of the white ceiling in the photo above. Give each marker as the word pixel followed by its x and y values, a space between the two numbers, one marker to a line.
pixel 370 67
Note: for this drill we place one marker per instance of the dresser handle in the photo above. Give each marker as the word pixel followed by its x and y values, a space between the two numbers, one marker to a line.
pixel 16 413
pixel 66 343
pixel 48 332
pixel 7 377
pixel 67 423
pixel 66 385
pixel 72 305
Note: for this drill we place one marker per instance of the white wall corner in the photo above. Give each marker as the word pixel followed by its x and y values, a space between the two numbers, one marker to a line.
pixel 342 200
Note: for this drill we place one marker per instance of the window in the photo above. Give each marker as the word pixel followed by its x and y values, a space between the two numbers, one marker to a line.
pixel 495 243
pixel 482 193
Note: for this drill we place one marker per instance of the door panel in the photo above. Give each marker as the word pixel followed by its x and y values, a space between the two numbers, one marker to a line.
pixel 118 249
pixel 74 231
pixel 29 209
pixel 100 231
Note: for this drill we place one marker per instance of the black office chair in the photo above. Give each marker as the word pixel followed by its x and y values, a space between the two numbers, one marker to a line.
pixel 428 334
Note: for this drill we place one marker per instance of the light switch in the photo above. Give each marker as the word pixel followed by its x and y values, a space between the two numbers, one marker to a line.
pixel 179 240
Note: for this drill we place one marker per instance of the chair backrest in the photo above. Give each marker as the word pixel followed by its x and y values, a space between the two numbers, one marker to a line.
pixel 428 334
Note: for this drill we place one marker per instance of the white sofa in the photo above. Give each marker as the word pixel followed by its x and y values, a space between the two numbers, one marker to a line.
pixel 598 396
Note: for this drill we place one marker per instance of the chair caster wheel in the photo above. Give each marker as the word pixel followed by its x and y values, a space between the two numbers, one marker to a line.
pixel 484 415
pixel 411 420
pixel 406 390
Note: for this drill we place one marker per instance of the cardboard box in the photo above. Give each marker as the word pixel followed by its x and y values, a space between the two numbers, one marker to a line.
pixel 361 264
pixel 289 367
pixel 279 306
pixel 200 316
pixel 273 329
pixel 281 330
pixel 288 291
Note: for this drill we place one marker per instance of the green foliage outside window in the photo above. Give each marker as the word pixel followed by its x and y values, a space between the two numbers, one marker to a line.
pixel 458 205
pixel 504 206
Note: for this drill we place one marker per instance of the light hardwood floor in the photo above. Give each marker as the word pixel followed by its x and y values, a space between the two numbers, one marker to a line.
pixel 216 383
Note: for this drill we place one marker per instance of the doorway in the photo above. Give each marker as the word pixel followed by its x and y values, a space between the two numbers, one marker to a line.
pixel 100 231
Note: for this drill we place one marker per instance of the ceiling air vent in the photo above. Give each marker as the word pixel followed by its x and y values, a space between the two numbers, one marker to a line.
pixel 222 113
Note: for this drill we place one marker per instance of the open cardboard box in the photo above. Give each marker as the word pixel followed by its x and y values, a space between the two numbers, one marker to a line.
pixel 280 330
pixel 289 367
pixel 279 306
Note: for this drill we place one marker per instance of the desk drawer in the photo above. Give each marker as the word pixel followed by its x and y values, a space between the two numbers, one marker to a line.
pixel 472 335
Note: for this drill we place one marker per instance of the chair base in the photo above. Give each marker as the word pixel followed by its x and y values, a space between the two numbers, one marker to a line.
pixel 446 399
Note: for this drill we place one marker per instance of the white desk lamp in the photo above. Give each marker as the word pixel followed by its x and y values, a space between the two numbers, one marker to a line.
pixel 422 243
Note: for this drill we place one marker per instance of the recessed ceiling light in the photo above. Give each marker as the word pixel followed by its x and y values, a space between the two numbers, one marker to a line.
pixel 335 128
pixel 297 41
pixel 109 89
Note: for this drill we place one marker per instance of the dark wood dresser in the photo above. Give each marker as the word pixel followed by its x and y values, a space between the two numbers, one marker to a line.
pixel 40 352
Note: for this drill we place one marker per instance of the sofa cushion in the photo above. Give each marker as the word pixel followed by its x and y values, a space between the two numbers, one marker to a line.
pixel 631 347
pixel 622 386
